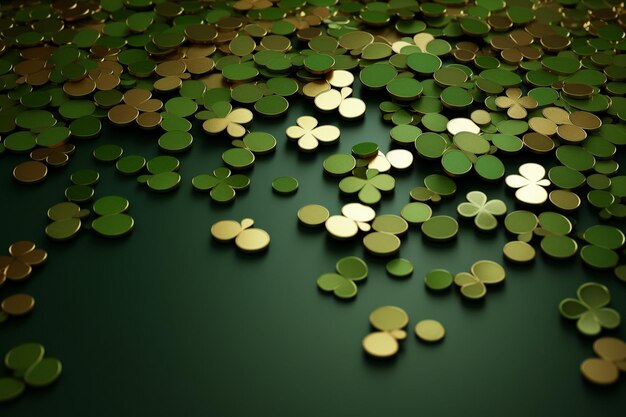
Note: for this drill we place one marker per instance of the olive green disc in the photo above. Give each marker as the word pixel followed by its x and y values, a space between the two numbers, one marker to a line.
pixel 285 185
pixel 518 251
pixel 380 243
pixel 559 247
pixel 130 164
pixel 365 150
pixel 113 225
pixel 43 373
pixel 429 331
pixel 85 176
pixel 456 163
pixel 440 228
pixel 438 279
pixel 10 388
pixel 423 63
pixel 416 212
pixel 175 141
pixel 313 215
pixel 399 267
pixel 238 158
pixel 79 193
pixel 108 153
pixel 22 357
pixel 339 164
pixel 598 257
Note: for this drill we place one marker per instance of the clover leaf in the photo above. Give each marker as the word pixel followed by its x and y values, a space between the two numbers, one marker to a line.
pixel 530 184
pixel 221 183
pixel 112 220
pixel 590 309
pixel 66 220
pixel 309 134
pixel 23 255
pixel 473 283
pixel 342 283
pixel 222 117
pixel 482 210
pixel 368 183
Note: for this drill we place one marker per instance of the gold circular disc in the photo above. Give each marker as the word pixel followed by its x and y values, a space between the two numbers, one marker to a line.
pixel 599 371
pixel 225 230
pixel 30 172
pixel 518 251
pixel 380 344
pixel 313 215
pixel 610 349
pixel 252 240
pixel 18 304
pixel 565 200
pixel 430 330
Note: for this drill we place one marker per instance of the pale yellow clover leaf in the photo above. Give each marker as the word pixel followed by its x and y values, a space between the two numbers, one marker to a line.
pixel 309 134
pixel 515 103
pixel 222 116
pixel 530 184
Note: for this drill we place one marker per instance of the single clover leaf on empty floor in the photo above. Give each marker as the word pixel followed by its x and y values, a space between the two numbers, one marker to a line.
pixel 590 309
pixel 342 283
pixel 482 210
pixel 221 183
pixel 368 183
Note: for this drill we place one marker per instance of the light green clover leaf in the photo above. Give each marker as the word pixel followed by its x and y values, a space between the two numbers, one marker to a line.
pixel 482 210
pixel 368 183
pixel 473 283
pixel 590 309
pixel 342 283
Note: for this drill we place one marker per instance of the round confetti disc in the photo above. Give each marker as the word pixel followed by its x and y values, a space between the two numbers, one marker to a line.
pixel 313 215
pixel 18 304
pixel 252 240
pixel 438 279
pixel 429 331
pixel 399 267
pixel 518 251
pixel 380 344
pixel 285 185
pixel 440 228
pixel 599 371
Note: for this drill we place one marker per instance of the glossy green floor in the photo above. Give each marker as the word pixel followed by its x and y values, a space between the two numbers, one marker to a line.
pixel 168 322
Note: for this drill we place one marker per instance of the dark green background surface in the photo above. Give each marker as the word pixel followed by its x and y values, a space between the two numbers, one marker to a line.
pixel 168 322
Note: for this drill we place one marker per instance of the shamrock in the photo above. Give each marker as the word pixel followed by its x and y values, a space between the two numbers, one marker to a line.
pixel 473 283
pixel 435 187
pixel 515 103
pixel 590 309
pixel 516 46
pixel 163 176
pixel 136 102
pixel 554 228
pixel 221 184
pixel 349 107
pixel 30 367
pixel 221 116
pixel 481 210
pixel 19 264
pixel 390 321
pixel 530 184
pixel 242 155
pixel 66 220
pixel 368 183
pixel 399 159
pixel 355 217
pixel 113 221
pixel 247 238
pixel 342 283
pixel 604 369
pixel 309 135
pixel 56 156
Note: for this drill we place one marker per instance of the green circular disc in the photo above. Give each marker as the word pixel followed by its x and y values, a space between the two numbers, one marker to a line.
pixel 430 145
pixel 560 247
pixel 438 279
pixel 440 184
pixel 247 93
pixel 63 229
pixel 272 106
pixel 378 75
pixel 520 222
pixel 10 388
pixel 130 164
pixel 85 177
pixel 456 97
pixel 108 153
pixel 113 225
pixel 382 244
pixel 435 122
pixel 471 143
pixel 489 167
pixel 405 134
pixel 163 181
pixel 20 141
pixel 175 141
pixel 319 63
pixel 85 127
pixel 339 164
pixel 575 157
pixel 566 178
pixel 598 257
pixel 604 236
pixel 416 212
pixel 43 373
pixel 423 63
pixel 440 228
pixel 259 142
pixel 404 88
pixel 240 72
pixel 285 185
pixel 181 106
pixel 22 357
pixel 238 158
pixel 399 267
pixel 111 204
pixel 365 150
pixel 456 163
pixel 79 193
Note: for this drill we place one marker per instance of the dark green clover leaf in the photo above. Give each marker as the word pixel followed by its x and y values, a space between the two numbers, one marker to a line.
pixel 113 221
pixel 66 220
pixel 242 155
pixel 368 183
pixel 163 176
pixel 590 309
pixel 223 186
pixel 342 283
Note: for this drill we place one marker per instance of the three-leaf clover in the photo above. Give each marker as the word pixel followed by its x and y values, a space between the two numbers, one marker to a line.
pixel 354 217
pixel 390 321
pixel 163 176
pixel 309 134
pixel 473 283
pixel 482 210
pixel 342 283
pixel 349 107
pixel 66 220
pixel 222 117
pixel 530 184
pixel 136 102
pixel 516 46
pixel 113 221
pixel 515 103
pixel 55 156
pixel 222 184
pixel 19 264
pixel 242 155
pixel 590 309
pixel 368 183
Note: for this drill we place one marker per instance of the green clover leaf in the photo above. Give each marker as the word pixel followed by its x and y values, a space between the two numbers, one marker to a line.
pixel 590 309
pixel 221 184
pixel 163 174
pixel 554 228
pixel 368 183
pixel 482 210
pixel 113 221
pixel 66 220
pixel 342 283
pixel 473 283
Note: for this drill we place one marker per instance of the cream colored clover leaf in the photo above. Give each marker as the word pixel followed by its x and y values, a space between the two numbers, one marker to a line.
pixel 515 103
pixel 309 134
pixel 530 184
pixel 221 116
